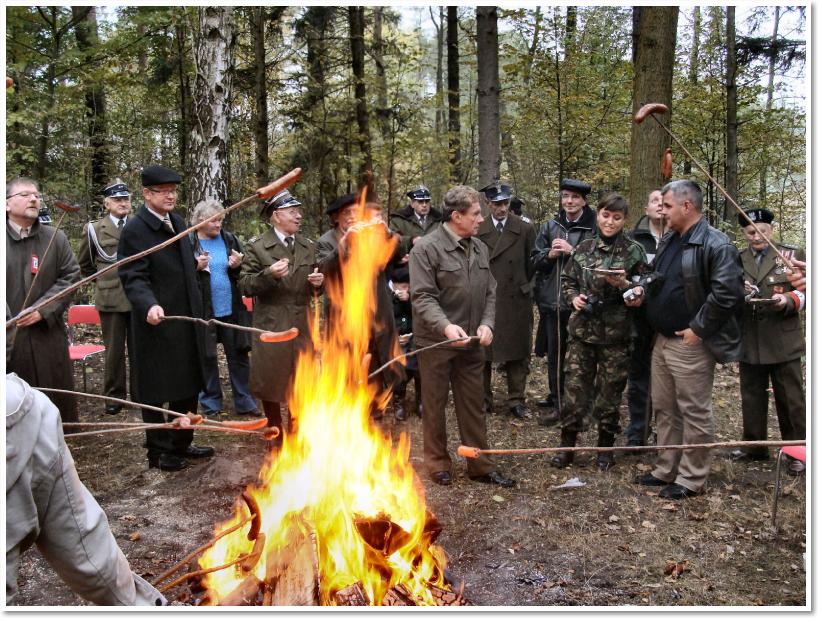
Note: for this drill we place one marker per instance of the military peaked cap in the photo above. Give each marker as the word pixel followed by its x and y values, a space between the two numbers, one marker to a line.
pixel 341 202
pixel 156 175
pixel 757 215
pixel 497 192
pixel 283 200
pixel 575 185
pixel 420 193
pixel 116 190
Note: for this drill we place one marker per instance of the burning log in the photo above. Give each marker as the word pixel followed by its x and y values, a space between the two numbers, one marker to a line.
pixel 352 596
pixel 399 596
pixel 385 536
pixel 296 571
pixel 245 594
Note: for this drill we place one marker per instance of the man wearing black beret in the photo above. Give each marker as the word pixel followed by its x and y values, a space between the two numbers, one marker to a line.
pixel 772 341
pixel 554 245
pixel 417 219
pixel 167 356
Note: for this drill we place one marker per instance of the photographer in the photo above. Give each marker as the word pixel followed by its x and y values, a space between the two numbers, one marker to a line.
pixel 596 283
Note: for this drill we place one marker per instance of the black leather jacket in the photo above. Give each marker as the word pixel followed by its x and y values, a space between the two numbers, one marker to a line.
pixel 714 289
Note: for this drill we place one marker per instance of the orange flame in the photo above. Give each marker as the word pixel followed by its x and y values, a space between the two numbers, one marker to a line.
pixel 338 467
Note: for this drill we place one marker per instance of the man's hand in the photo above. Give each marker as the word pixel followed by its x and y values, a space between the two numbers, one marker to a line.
pixel 617 280
pixel 402 294
pixel 639 294
pixel 404 259
pixel 689 337
pixel 235 259
pixel 797 274
pixel 29 319
pixel 316 278
pixel 452 331
pixel 202 260
pixel 485 334
pixel 279 269
pixel 579 302
pixel 560 246
pixel 155 315
pixel 781 300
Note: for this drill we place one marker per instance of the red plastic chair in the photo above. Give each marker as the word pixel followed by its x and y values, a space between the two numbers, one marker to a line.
pixel 796 452
pixel 249 303
pixel 83 314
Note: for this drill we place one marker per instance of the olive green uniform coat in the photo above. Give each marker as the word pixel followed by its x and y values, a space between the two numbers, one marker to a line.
pixel 407 225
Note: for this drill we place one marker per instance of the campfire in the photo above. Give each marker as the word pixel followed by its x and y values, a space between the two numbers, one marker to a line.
pixel 340 514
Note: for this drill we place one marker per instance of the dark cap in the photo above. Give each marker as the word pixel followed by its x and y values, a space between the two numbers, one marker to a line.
pixel 283 200
pixel 497 192
pixel 156 175
pixel 516 205
pixel 757 215
pixel 420 193
pixel 341 202
pixel 400 274
pixel 575 185
pixel 116 190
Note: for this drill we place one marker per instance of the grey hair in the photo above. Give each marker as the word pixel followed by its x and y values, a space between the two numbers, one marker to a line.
pixel 458 199
pixel 19 181
pixel 203 210
pixel 685 189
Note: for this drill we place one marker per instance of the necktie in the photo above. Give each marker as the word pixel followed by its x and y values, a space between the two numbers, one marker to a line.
pixel 289 242
pixel 120 224
pixel 499 227
pixel 24 232
pixel 167 224
pixel 422 222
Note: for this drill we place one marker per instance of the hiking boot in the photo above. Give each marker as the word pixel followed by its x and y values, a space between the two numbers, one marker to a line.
pixel 605 459
pixel 568 438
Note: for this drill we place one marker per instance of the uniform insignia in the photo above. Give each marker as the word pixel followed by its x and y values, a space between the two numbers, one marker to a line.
pixel 254 239
pixel 525 219
pixel 778 289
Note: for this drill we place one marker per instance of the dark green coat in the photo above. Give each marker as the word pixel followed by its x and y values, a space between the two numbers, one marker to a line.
pixel 509 255
pixel 770 335
pixel 279 304
pixel 406 224
pixel 108 290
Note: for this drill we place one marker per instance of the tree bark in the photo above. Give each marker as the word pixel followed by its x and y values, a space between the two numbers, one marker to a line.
pixel 653 82
pixel 454 94
pixel 439 119
pixel 693 67
pixel 731 147
pixel 488 95
pixel 185 104
pixel 260 97
pixel 383 111
pixel 213 51
pixel 85 30
pixel 356 25
pixel 763 171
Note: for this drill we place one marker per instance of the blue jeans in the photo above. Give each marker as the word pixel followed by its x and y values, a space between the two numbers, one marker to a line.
pixel 238 372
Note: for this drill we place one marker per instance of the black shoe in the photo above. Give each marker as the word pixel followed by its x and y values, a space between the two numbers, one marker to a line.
pixel 398 406
pixel 546 403
pixel 250 413
pixel 796 468
pixel 520 411
pixel 167 462
pixel 443 478
pixel 605 459
pixel 676 492
pixel 649 480
pixel 740 455
pixel 196 451
pixel 552 418
pixel 494 477
pixel 567 438
pixel 113 409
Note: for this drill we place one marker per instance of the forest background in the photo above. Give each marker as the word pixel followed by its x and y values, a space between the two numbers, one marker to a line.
pixel 233 97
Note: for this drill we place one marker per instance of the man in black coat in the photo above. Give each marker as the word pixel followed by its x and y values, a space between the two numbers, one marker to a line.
pixel 167 356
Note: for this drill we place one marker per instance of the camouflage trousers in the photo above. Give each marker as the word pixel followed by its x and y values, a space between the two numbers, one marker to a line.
pixel 594 372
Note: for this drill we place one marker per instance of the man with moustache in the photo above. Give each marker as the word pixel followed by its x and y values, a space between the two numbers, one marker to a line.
pixel 167 357
pixel 98 250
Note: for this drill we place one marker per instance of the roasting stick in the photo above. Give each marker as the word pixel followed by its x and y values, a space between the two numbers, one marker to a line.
pixel 412 352
pixel 266 336
pixel 650 110
pixel 261 193
pixel 475 452
pixel 269 435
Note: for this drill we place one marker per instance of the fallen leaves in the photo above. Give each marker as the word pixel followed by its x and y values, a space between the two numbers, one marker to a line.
pixel 134 536
pixel 675 569
pixel 648 524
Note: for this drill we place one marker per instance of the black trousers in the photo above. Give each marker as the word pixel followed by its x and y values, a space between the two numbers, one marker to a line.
pixel 556 336
pixel 169 441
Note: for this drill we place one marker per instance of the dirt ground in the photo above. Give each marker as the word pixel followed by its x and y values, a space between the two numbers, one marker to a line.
pixel 606 543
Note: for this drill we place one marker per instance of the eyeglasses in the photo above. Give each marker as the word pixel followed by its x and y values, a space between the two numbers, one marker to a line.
pixel 167 193
pixel 25 195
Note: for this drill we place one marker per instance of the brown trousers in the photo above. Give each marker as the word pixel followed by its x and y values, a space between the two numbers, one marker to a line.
pixel 461 369
pixel 682 379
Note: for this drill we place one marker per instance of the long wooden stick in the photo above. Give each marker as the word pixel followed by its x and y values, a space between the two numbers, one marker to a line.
pixel 167 426
pixel 284 335
pixel 262 193
pixel 413 352
pixel 475 452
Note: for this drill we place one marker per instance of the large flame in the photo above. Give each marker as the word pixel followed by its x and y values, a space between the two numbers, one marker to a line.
pixel 337 466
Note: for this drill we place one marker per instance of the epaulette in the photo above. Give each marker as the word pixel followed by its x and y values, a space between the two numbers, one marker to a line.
pixel 525 219
pixel 254 239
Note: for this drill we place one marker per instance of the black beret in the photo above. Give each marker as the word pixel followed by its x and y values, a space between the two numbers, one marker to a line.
pixel 283 200
pixel 341 202
pixel 575 185
pixel 497 192
pixel 757 215
pixel 116 190
pixel 400 274
pixel 516 205
pixel 420 193
pixel 156 174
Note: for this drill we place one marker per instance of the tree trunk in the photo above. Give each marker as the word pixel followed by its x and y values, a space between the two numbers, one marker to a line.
pixel 356 25
pixel 488 95
pixel 213 51
pixel 653 82
pixel 731 155
pixel 85 30
pixel 439 119
pixel 454 94
pixel 763 171
pixel 260 97
pixel 570 31
pixel 383 111
pixel 693 68
pixel 184 125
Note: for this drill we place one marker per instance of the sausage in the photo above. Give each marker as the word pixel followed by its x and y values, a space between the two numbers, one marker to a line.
pixel 279 337
pixel 254 424
pixel 251 502
pixel 647 109
pixel 266 192
pixel 667 164
pixel 248 564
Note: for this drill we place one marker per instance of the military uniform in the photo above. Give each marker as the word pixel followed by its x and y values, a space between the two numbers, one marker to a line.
pixel 409 225
pixel 599 337
pixel 98 249
pixel 773 345
pixel 509 256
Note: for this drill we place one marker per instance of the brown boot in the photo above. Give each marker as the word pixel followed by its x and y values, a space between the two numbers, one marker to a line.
pixel 568 438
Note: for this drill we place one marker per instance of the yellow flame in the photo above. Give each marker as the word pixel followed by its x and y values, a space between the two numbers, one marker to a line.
pixel 337 466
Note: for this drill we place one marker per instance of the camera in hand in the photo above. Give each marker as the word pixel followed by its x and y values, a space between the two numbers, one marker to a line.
pixel 639 281
pixel 593 303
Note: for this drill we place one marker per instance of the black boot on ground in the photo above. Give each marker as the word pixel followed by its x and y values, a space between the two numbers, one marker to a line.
pixel 398 406
pixel 605 459
pixel 568 438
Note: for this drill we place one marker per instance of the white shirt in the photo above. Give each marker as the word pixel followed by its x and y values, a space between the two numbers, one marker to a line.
pixel 498 222
pixel 116 220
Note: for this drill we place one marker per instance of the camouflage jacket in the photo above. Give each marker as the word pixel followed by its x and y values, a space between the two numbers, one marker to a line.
pixel 608 320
